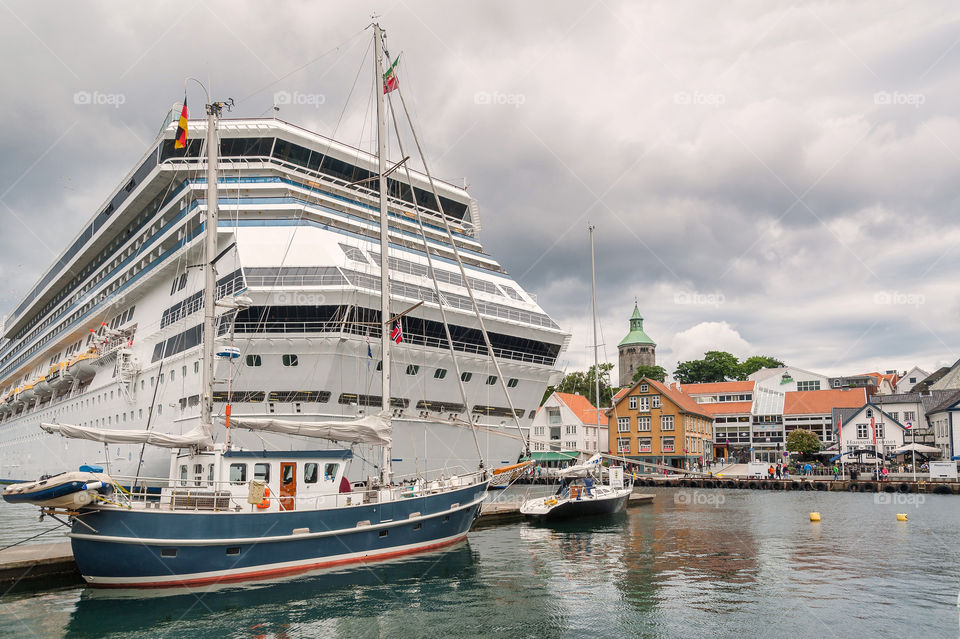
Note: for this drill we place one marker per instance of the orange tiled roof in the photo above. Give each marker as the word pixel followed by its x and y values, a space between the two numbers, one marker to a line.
pixel 581 407
pixel 726 408
pixel 893 378
pixel 717 387
pixel 822 401
pixel 620 394
pixel 683 401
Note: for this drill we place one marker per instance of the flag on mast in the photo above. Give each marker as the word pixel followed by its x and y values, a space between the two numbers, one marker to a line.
pixel 369 352
pixel 390 77
pixel 873 430
pixel 397 333
pixel 182 126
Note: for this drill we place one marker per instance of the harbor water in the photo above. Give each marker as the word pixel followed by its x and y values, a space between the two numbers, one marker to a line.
pixel 713 563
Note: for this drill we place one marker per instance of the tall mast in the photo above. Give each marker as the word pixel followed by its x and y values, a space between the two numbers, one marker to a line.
pixel 386 472
pixel 596 366
pixel 214 110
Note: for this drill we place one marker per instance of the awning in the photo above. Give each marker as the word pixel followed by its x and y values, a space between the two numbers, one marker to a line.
pixel 554 455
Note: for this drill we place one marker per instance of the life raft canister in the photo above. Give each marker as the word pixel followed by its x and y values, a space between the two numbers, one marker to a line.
pixel 265 502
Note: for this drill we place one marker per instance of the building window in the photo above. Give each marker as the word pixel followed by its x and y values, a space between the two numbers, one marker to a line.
pixel 633 402
pixel 571 429
pixel 643 404
pixel 644 445
pixel 666 422
pixel 879 428
pixel 909 416
pixel 808 385
pixel 290 360
pixel 538 430
pixel 863 431
pixel 895 415
pixel 491 380
pixel 666 444
pixel 440 373
pixel 254 360
pixel 623 424
pixel 643 424
pixel 465 376
pixel 644 388
pixel 655 401
pixel 623 444
pixel 553 415
pixel 412 369
pixel 512 383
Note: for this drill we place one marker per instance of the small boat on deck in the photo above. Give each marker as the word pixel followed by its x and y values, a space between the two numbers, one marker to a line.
pixel 65 490
pixel 582 493
pixel 506 475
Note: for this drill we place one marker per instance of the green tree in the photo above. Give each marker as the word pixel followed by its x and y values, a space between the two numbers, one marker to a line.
pixel 584 383
pixel 751 365
pixel 803 441
pixel 658 373
pixel 716 366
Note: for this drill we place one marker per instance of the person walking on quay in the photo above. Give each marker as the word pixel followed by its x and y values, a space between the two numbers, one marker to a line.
pixel 779 471
pixel 885 473
pixel 770 472
pixel 807 469
pixel 836 472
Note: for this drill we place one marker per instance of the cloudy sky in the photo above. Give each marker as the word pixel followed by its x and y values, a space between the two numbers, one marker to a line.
pixel 765 178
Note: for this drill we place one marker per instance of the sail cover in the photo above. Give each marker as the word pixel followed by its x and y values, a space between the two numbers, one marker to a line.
pixel 580 470
pixel 195 437
pixel 370 429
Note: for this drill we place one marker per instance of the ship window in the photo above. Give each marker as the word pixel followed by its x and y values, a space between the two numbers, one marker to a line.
pixel 183 475
pixel 384 533
pixel 196 367
pixel 380 366
pixel 310 473
pixel 491 380
pixel 173 375
pixel 233 550
pixel 330 472
pixel 412 369
pixel 289 360
pixel 210 473
pixel 168 552
pixel 466 376
pixel 417 526
pixel 254 360
pixel 261 472
pixel 513 383
pixel 440 373
pixel 238 473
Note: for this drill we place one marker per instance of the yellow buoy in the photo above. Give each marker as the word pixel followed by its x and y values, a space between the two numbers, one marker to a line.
pixel 901 516
pixel 814 516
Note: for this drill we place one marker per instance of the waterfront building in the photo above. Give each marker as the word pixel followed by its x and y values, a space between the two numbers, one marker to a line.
pixel 909 379
pixel 813 410
pixel 636 349
pixel 944 421
pixel 656 423
pixel 567 423
pixel 861 425
pixel 924 385
pixel 911 409
pixel 950 380
pixel 789 378
pixel 730 405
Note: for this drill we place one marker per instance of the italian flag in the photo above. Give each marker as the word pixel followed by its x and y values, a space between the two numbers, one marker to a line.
pixel 390 77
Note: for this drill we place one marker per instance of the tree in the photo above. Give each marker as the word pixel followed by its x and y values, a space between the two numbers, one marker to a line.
pixel 803 441
pixel 751 365
pixel 658 373
pixel 584 383
pixel 716 366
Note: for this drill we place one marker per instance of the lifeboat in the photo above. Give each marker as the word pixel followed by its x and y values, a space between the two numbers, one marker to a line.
pixel 15 401
pixel 57 378
pixel 27 394
pixel 41 387
pixel 81 367
pixel 66 490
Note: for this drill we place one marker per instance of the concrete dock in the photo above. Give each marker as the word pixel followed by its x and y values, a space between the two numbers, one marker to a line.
pixel 804 483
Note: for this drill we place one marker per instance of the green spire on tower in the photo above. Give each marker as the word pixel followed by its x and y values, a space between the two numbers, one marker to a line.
pixel 636 334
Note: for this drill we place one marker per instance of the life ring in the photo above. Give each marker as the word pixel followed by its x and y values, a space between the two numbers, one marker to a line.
pixel 265 502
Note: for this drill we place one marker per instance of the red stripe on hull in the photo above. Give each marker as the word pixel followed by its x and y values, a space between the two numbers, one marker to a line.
pixel 277 572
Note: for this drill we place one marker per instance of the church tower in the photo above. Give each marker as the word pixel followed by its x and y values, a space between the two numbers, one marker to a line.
pixel 636 349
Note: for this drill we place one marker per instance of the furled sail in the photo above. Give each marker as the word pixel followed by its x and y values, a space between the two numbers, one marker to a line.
pixel 370 429
pixel 580 470
pixel 195 437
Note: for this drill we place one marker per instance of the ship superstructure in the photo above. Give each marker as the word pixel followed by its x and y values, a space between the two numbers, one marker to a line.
pixel 110 335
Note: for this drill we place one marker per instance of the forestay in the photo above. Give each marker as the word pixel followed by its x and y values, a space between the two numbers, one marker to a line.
pixel 370 429
pixel 196 437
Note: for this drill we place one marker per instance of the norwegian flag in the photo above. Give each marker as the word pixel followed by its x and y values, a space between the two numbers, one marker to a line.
pixel 397 333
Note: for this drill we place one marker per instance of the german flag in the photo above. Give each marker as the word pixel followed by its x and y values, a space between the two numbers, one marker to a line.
pixel 182 126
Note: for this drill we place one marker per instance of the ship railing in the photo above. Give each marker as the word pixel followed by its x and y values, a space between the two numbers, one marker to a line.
pixel 271 326
pixel 195 494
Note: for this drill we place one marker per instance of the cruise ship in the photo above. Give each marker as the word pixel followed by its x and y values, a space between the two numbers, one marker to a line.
pixel 109 337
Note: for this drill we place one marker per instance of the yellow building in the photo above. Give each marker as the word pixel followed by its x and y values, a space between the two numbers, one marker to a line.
pixel 655 423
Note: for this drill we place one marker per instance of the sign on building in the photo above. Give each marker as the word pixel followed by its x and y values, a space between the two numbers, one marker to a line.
pixel 943 470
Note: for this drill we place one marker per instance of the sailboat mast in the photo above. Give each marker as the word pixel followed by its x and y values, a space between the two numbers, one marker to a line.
pixel 214 110
pixel 386 471
pixel 596 365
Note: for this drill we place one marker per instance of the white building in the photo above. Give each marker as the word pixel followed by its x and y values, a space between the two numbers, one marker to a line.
pixel 568 422
pixel 860 426
pixel 944 420
pixel 910 379
pixel 789 378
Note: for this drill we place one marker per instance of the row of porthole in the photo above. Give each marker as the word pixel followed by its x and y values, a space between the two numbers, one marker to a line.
pixel 412 369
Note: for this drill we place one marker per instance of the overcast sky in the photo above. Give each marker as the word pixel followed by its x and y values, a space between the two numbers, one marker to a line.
pixel 765 178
